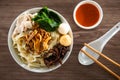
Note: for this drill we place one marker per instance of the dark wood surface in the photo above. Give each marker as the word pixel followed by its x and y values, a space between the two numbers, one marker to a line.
pixel 71 70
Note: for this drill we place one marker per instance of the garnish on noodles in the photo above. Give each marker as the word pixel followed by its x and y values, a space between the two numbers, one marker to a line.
pixel 38 40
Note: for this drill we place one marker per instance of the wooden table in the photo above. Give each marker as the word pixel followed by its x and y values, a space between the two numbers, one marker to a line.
pixel 71 70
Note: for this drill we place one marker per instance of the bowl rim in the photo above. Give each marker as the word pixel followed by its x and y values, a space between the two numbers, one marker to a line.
pixel 15 56
pixel 96 5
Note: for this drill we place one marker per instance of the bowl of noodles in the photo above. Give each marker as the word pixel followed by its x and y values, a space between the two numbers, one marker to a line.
pixel 40 40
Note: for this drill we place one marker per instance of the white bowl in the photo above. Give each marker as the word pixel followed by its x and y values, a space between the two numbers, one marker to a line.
pixel 14 53
pixel 96 5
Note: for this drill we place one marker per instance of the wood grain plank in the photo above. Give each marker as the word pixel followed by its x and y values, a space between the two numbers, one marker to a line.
pixel 71 70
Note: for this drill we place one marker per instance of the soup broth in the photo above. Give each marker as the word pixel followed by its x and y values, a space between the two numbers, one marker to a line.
pixel 87 15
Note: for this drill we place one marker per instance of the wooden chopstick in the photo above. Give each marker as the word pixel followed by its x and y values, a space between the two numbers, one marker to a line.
pixel 102 65
pixel 104 56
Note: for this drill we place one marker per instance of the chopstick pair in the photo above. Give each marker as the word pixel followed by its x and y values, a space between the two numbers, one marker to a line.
pixel 99 63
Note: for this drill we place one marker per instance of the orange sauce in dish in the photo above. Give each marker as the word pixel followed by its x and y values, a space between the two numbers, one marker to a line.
pixel 87 15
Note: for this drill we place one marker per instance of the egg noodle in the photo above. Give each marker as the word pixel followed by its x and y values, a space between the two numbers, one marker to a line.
pixel 32 42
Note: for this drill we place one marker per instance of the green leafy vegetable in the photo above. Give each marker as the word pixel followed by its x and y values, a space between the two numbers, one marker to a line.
pixel 47 20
